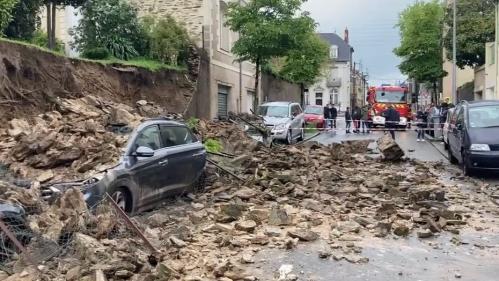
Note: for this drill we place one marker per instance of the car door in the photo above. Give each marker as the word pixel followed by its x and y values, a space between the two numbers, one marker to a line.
pixel 456 136
pixel 295 122
pixel 186 157
pixel 147 172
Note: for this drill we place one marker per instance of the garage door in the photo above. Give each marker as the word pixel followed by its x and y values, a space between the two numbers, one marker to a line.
pixel 223 95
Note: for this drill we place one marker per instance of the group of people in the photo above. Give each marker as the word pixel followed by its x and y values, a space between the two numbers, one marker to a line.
pixel 438 116
pixel 360 117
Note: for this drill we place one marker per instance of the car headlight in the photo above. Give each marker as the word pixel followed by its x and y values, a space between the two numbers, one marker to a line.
pixel 480 147
pixel 281 127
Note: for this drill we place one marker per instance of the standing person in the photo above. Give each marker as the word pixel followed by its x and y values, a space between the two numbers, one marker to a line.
pixel 392 117
pixel 356 115
pixel 365 119
pixel 334 115
pixel 348 120
pixel 328 115
pixel 421 119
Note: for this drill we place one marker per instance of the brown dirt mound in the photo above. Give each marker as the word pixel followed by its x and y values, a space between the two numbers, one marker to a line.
pixel 31 82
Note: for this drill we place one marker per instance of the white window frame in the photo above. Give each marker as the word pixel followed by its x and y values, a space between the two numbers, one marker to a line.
pixel 333 52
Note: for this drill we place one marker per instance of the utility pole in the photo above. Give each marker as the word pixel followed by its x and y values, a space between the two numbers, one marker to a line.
pixel 454 53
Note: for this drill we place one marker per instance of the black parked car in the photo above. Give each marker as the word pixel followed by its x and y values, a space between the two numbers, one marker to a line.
pixel 473 136
pixel 162 158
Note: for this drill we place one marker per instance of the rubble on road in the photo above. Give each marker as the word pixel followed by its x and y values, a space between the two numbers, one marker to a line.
pixel 288 196
pixel 389 148
pixel 78 137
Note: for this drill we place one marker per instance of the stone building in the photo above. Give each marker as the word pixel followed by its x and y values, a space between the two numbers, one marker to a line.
pixel 335 84
pixel 226 84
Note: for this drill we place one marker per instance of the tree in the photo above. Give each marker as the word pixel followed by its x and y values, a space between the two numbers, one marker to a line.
pixel 110 24
pixel 6 7
pixel 267 29
pixel 421 44
pixel 51 7
pixel 25 19
pixel 475 27
pixel 168 40
pixel 305 64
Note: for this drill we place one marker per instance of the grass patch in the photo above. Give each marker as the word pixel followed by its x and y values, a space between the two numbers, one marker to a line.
pixel 31 45
pixel 311 128
pixel 213 146
pixel 146 63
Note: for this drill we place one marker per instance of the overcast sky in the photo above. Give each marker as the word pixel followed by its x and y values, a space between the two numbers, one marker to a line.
pixel 372 31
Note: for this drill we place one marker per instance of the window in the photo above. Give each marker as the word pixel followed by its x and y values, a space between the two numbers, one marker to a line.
pixel 333 52
pixel 460 117
pixel 306 94
pixel 334 97
pixel 295 110
pixel 174 135
pixel 223 101
pixel 149 137
pixel 251 101
pixel 224 30
pixel 318 98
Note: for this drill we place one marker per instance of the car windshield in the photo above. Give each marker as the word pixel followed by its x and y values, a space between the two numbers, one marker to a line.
pixel 273 111
pixel 314 110
pixel 390 97
pixel 484 116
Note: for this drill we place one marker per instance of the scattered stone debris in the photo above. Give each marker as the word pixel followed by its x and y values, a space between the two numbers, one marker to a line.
pixel 389 148
pixel 289 196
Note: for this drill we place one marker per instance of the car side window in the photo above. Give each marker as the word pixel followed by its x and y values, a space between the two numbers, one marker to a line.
pixel 295 110
pixel 460 117
pixel 176 135
pixel 149 137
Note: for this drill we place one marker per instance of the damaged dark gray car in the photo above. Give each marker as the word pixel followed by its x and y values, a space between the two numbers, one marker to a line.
pixel 162 158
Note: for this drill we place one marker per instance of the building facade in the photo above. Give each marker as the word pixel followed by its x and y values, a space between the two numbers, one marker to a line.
pixel 334 86
pixel 490 71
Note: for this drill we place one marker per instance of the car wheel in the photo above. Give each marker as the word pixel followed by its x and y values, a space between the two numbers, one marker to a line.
pixel 302 134
pixel 451 157
pixel 289 137
pixel 200 183
pixel 467 170
pixel 122 198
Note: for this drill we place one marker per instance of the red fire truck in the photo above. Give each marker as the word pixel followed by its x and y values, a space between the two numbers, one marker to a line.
pixel 382 97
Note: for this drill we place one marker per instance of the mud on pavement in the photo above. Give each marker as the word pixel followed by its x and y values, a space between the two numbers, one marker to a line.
pixel 287 199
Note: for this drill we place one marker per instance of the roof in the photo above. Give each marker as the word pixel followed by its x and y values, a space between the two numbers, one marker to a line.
pixel 344 50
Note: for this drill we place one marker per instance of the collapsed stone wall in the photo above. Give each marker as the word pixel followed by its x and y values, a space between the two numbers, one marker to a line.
pixel 32 80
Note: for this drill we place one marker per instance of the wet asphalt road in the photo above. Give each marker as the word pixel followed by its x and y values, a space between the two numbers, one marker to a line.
pixel 475 258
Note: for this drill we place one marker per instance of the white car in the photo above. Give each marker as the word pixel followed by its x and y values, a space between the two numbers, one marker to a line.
pixel 445 132
pixel 286 120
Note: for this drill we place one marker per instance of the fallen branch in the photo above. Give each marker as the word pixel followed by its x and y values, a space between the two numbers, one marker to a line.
pixel 224 169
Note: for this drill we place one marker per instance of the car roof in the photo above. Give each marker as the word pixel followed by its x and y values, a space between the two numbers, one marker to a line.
pixel 483 103
pixel 310 105
pixel 278 103
pixel 159 121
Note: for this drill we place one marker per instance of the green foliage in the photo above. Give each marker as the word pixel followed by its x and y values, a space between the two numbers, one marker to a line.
pixel 111 24
pixel 475 27
pixel 6 10
pixel 25 20
pixel 98 53
pixel 268 28
pixel 213 146
pixel 421 41
pixel 146 63
pixel 40 39
pixel 305 64
pixel 192 123
pixel 168 40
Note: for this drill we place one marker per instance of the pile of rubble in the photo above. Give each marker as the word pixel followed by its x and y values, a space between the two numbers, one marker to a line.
pixel 287 196
pixel 77 138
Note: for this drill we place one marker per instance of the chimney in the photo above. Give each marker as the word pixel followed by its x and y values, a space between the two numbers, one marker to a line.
pixel 347 39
